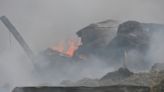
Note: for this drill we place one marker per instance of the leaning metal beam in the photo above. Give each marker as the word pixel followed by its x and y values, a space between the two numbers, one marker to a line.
pixel 17 36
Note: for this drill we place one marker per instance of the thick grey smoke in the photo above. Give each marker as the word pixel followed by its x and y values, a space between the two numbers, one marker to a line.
pixel 156 48
pixel 45 22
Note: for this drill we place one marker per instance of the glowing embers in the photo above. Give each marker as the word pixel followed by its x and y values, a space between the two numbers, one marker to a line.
pixel 66 48
pixel 72 46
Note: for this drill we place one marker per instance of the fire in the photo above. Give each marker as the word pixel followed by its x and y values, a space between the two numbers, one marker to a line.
pixel 72 45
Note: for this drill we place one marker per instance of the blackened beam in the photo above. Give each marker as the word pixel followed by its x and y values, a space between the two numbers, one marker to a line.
pixel 17 36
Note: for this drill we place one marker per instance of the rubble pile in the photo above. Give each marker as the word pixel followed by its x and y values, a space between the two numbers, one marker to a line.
pixel 149 79
pixel 143 79
pixel 130 35
pixel 120 74
pixel 110 41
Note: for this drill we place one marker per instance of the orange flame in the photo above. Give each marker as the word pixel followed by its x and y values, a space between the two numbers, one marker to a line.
pixel 72 46
pixel 70 51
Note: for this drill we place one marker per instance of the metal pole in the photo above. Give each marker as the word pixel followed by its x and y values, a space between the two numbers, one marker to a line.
pixel 17 36
pixel 21 41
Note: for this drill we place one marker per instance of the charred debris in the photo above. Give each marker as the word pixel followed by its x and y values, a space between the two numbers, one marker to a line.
pixel 109 41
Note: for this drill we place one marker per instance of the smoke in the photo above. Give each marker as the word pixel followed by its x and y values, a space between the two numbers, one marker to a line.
pixel 156 48
pixel 15 69
pixel 138 61
pixel 45 22
pixel 61 68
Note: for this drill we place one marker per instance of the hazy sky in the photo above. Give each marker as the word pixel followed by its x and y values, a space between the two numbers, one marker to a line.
pixel 45 22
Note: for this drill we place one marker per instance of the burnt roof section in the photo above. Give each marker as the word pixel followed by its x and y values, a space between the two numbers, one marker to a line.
pixel 103 24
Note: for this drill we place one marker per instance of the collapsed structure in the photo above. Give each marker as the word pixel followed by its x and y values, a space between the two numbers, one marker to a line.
pixel 131 35
pixel 109 41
